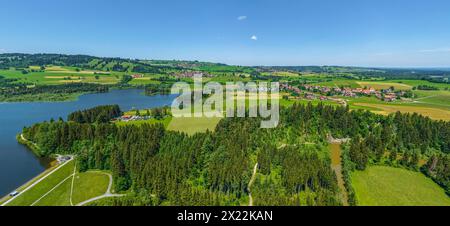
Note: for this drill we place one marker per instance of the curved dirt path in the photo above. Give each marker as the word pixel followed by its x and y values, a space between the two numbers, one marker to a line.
pixel 336 165
pixel 73 181
pixel 106 195
pixel 252 180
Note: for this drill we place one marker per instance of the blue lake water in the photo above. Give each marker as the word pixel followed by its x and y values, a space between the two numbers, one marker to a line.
pixel 17 163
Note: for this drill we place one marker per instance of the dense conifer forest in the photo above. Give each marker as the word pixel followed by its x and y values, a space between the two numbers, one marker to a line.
pixel 13 90
pixel 100 114
pixel 160 167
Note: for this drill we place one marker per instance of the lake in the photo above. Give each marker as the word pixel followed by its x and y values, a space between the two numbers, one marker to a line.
pixel 17 163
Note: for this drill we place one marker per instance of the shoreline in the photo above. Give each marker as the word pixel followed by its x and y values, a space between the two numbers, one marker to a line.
pixel 30 145
pixel 53 165
pixel 69 97
pixel 6 197
pixel 33 148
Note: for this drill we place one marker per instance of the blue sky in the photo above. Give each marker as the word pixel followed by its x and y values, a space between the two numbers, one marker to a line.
pixel 390 33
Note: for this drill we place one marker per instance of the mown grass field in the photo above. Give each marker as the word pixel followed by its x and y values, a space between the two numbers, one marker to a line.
pixel 54 75
pixel 387 186
pixel 434 104
pixel 89 185
pixel 62 76
pixel 385 85
pixel 339 83
pixel 85 186
pixel 56 189
pixel 191 126
pixel 438 98
pixel 386 109
pixel 58 197
pixel 421 82
pixel 36 192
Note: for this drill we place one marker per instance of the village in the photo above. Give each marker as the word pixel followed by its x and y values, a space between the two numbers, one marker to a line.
pixel 191 74
pixel 312 92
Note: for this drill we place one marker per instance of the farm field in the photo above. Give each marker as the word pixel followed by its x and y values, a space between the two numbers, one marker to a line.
pixel 54 75
pixel 193 125
pixel 397 84
pixel 62 76
pixel 435 104
pixel 386 109
pixel 339 83
pixel 438 98
pixel 387 186
pixel 385 85
pixel 281 74
pixel 421 82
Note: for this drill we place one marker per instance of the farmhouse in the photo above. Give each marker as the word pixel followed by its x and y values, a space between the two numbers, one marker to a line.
pixel 191 74
pixel 137 76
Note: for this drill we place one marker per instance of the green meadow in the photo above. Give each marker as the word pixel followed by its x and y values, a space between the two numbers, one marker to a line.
pixel 33 194
pixel 62 76
pixel 191 126
pixel 387 186
pixel 57 189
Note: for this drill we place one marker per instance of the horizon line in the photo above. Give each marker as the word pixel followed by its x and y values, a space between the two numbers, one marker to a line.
pixel 240 65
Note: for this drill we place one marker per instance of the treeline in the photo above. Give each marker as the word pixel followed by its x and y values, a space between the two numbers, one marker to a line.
pixel 100 114
pixel 151 160
pixel 53 89
pixel 163 167
pixel 21 60
pixel 157 113
pixel 397 131
pixel 438 168
pixel 205 169
pixel 426 87
pixel 294 176
pixel 10 83
pixel 153 89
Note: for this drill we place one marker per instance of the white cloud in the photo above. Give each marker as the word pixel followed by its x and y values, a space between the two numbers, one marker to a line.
pixel 242 18
pixel 2 50
pixel 254 38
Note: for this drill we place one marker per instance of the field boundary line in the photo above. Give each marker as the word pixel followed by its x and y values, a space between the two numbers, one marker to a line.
pixel 50 191
pixel 71 186
pixel 35 183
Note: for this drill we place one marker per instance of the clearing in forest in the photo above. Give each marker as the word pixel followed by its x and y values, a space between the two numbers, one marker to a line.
pixel 388 186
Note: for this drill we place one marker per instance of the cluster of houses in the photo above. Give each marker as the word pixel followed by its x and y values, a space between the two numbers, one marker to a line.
pixel 129 118
pixel 137 76
pixel 191 74
pixel 323 92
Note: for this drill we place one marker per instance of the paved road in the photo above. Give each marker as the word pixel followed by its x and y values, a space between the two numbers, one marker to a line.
pixel 35 183
pixel 106 195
